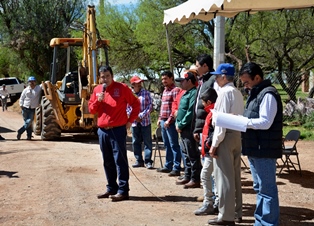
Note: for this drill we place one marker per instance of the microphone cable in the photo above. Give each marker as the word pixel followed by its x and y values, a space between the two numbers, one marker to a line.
pixel 126 161
pixel 152 193
pixel 130 169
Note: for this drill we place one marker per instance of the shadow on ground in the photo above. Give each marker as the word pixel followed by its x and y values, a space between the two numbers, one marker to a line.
pixel 306 180
pixel 9 174
pixel 5 130
pixel 166 198
pixel 288 215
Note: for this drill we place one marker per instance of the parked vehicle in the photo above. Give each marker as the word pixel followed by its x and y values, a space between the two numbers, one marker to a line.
pixel 14 86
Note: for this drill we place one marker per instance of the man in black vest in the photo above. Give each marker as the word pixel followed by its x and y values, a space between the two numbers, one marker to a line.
pixel 262 142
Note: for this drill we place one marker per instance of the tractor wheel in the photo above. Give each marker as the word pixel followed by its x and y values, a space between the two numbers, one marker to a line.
pixel 37 125
pixel 50 128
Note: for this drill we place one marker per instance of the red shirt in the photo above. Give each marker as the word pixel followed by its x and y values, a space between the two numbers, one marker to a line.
pixel 112 110
pixel 206 128
pixel 176 102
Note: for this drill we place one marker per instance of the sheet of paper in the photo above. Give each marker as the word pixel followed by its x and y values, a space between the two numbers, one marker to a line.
pixel 230 121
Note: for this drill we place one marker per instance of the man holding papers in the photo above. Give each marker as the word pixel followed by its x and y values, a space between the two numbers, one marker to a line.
pixel 262 141
pixel 226 150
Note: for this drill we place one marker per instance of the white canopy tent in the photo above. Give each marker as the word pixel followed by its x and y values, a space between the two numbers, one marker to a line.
pixel 208 9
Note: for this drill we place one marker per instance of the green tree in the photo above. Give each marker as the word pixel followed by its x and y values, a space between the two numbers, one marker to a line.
pixel 10 65
pixel 138 38
pixel 27 27
pixel 282 42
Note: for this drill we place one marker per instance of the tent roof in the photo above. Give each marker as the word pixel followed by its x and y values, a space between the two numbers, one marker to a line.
pixel 209 9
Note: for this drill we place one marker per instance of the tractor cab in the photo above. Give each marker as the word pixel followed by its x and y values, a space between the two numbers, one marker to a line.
pixel 68 93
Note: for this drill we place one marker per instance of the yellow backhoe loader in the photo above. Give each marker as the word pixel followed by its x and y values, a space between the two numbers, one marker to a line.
pixel 64 105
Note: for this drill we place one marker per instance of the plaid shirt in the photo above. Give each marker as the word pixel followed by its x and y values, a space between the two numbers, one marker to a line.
pixel 168 96
pixel 146 107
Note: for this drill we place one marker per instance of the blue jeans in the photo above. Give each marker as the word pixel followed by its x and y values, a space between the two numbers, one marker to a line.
pixel 113 147
pixel 171 142
pixel 142 134
pixel 264 183
pixel 28 117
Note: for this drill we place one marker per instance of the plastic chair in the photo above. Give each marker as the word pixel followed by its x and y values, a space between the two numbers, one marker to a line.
pixel 245 166
pixel 289 150
pixel 157 138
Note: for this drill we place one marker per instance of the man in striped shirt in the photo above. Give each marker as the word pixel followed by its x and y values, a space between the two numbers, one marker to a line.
pixel 141 127
pixel 168 130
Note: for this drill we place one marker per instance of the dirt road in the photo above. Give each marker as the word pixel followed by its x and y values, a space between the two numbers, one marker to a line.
pixel 56 183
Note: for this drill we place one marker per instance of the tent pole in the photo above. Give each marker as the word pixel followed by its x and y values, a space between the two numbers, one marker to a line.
pixel 219 41
pixel 169 49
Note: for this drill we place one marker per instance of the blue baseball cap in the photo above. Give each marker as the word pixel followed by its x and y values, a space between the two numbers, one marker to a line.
pixel 31 78
pixel 224 69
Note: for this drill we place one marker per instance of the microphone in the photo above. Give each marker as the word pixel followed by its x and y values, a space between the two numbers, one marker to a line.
pixel 104 86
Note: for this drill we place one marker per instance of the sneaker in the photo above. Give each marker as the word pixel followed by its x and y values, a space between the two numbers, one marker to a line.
pixel 174 173
pixel 205 210
pixel 149 165
pixel 137 165
pixel 163 170
pixel 2 138
pixel 18 136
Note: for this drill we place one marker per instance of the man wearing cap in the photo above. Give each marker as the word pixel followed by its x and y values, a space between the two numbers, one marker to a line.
pixel 184 128
pixel 141 126
pixel 109 101
pixel 226 150
pixel 4 93
pixel 29 100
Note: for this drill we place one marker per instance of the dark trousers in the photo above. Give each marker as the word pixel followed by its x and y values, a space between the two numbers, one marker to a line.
pixel 113 147
pixel 192 157
pixel 4 103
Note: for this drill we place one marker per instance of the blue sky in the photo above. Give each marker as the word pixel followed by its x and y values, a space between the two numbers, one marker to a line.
pixel 122 2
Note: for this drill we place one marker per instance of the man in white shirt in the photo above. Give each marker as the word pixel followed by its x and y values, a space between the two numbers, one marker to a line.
pixel 226 150
pixel 4 93
pixel 29 100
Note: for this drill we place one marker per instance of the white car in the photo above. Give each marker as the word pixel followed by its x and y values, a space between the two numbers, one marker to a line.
pixel 14 86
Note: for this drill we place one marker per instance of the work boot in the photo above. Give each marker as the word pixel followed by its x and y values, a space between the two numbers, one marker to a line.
pixel 174 173
pixel 192 184
pixel 182 181
pixel 163 170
